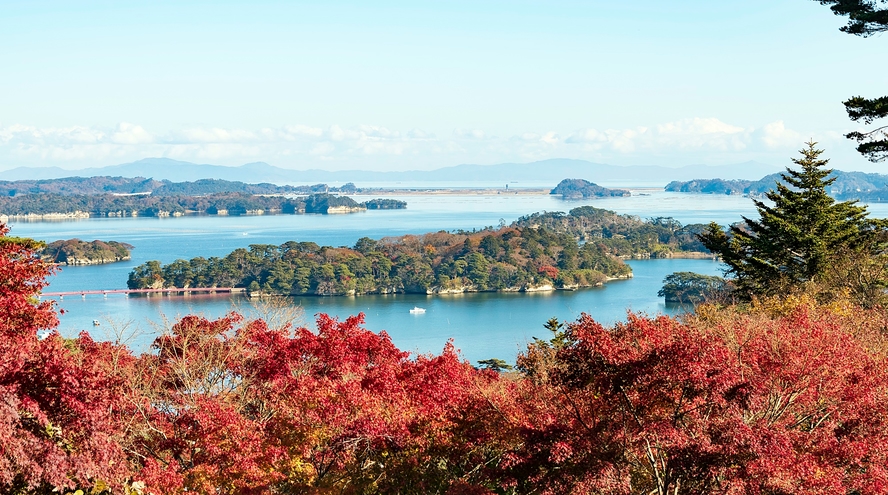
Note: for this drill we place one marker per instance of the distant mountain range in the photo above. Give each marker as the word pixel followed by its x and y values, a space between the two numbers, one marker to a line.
pixel 542 171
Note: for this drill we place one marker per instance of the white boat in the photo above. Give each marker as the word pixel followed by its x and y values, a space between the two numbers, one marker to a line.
pixel 417 310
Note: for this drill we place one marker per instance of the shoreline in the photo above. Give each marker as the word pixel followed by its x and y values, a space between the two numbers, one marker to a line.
pixel 174 291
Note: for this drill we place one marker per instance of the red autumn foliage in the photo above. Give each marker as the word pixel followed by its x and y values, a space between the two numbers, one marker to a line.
pixel 254 409
pixel 744 403
pixel 787 405
pixel 57 402
pixel 549 271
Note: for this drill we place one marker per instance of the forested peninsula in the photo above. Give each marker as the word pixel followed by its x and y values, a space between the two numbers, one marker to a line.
pixel 545 251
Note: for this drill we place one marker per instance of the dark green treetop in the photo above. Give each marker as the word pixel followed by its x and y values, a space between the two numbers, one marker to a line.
pixel 865 18
pixel 798 237
pixel 693 288
pixel 495 364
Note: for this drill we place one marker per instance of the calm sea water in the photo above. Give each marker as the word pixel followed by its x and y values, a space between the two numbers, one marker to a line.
pixel 481 325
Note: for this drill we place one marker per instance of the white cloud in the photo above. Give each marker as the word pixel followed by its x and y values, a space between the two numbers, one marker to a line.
pixel 419 134
pixel 697 127
pixel 694 140
pixel 692 135
pixel 586 136
pixel 212 135
pixel 131 134
pixel 295 131
pixel 776 135
pixel 551 138
pixel 469 133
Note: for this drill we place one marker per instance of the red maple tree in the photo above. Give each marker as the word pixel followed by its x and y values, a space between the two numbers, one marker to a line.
pixel 57 403
pixel 786 405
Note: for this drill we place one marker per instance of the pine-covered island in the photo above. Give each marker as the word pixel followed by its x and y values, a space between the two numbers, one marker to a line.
pixel 77 252
pixel 543 251
pixel 583 189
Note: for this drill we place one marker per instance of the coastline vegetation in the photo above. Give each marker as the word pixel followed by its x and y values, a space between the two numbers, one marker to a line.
pixel 694 288
pixel 507 259
pixel 869 187
pixel 583 248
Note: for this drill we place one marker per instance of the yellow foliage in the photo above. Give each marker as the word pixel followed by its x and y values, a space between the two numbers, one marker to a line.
pixel 869 326
pixel 299 472
pixel 778 306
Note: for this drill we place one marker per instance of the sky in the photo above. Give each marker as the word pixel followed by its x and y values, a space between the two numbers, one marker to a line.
pixel 397 85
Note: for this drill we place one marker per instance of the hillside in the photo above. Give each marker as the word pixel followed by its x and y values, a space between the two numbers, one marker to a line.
pixel 626 236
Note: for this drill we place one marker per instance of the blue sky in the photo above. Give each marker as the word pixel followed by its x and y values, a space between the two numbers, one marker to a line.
pixel 389 85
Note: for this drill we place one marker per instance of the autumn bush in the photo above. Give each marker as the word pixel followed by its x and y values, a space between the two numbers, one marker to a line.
pixel 341 410
pixel 779 396
pixel 739 401
pixel 59 407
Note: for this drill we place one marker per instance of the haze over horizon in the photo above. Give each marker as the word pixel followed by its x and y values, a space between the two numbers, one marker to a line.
pixel 404 86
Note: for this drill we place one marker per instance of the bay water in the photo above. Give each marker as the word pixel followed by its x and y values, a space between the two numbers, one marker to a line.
pixel 482 325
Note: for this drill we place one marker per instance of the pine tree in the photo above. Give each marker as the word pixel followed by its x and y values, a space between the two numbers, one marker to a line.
pixel 800 237
pixel 865 18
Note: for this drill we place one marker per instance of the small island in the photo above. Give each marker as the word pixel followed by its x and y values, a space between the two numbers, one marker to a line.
pixel 693 288
pixel 384 204
pixel 583 189
pixel 77 252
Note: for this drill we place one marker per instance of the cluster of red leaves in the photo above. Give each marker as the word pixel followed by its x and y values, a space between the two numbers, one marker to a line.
pixel 57 401
pixel 254 410
pixel 549 271
pixel 786 405
pixel 745 403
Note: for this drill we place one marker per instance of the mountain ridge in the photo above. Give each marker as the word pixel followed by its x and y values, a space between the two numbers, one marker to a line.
pixel 552 170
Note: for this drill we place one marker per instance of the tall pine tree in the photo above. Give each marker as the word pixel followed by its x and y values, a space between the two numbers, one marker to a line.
pixel 800 237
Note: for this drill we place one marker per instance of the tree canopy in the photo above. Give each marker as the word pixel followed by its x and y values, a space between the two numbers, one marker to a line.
pixel 693 288
pixel 801 236
pixel 865 18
